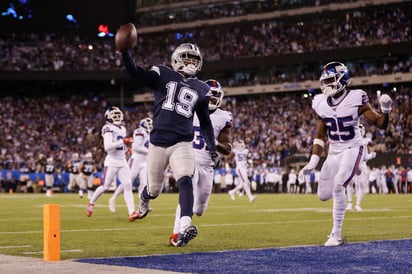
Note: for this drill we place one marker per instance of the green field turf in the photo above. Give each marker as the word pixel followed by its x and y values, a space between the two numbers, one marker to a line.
pixel 272 220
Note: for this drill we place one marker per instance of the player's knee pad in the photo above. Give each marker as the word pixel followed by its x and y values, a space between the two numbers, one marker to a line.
pixel 324 191
pixel 185 182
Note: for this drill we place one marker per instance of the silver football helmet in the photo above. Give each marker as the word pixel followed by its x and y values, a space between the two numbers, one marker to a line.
pixel 187 59
pixel 146 124
pixel 88 156
pixel 217 94
pixel 75 156
pixel 114 116
pixel 334 78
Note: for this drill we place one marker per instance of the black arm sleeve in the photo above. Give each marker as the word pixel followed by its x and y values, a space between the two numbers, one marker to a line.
pixel 206 126
pixel 144 77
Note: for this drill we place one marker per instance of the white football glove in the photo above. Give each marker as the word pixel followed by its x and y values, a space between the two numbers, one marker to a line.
pixel 371 155
pixel 386 103
pixel 313 162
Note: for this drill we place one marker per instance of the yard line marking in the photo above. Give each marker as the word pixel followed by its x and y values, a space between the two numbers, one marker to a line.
pixel 214 225
pixel 62 251
pixel 71 230
pixel 13 246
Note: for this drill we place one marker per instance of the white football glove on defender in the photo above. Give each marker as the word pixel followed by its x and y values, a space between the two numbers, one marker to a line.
pixel 386 103
pixel 313 162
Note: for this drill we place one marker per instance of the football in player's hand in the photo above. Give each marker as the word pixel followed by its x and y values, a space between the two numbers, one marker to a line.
pixel 126 37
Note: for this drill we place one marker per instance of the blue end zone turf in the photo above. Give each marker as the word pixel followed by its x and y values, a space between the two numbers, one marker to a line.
pixel 371 257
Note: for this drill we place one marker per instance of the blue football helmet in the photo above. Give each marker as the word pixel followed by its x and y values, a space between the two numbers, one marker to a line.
pixel 217 94
pixel 334 78
pixel 114 116
pixel 146 124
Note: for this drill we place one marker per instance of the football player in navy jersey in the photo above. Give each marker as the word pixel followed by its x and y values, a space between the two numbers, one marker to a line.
pixel 178 95
pixel 338 111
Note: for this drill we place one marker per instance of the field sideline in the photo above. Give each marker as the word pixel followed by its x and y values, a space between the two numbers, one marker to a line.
pixel 273 220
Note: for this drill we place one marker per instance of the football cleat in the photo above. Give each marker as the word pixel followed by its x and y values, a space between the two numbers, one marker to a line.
pixel 252 198
pixel 112 205
pixel 143 209
pixel 232 195
pixel 333 241
pixel 185 237
pixel 349 207
pixel 134 216
pixel 358 208
pixel 89 210
pixel 173 239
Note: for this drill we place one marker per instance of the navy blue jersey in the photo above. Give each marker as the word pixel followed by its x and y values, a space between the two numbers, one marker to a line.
pixel 176 99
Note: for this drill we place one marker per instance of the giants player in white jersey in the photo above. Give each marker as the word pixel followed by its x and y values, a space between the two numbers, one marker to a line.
pixel 115 163
pixel 338 110
pixel 361 180
pixel 204 171
pixel 137 162
pixel 240 152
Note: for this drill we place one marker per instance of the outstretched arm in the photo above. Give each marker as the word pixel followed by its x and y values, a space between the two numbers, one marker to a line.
pixel 144 77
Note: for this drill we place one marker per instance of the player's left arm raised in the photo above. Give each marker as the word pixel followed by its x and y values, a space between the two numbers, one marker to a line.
pixel 381 120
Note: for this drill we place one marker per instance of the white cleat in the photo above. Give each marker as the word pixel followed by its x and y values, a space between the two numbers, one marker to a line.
pixel 112 205
pixel 232 195
pixel 252 198
pixel 349 207
pixel 333 241
pixel 358 208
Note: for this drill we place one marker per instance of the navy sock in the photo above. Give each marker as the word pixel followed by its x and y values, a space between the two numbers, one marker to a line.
pixel 145 196
pixel 185 196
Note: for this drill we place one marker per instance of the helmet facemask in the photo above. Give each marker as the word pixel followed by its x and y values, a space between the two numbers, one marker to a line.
pixel 216 94
pixel 146 124
pixel 187 59
pixel 114 116
pixel 334 78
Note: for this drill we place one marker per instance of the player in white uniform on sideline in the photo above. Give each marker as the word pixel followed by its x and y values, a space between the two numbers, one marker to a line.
pixel 240 153
pixel 204 172
pixel 361 180
pixel 137 162
pixel 338 112
pixel 115 163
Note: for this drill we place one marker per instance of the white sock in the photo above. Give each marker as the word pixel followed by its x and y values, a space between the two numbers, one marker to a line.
pixel 185 222
pixel 339 205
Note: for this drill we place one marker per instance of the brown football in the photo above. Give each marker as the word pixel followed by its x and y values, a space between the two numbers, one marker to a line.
pixel 126 37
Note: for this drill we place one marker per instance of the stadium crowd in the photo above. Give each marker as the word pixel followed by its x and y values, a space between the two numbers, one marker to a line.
pixel 200 11
pixel 273 126
pixel 356 28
